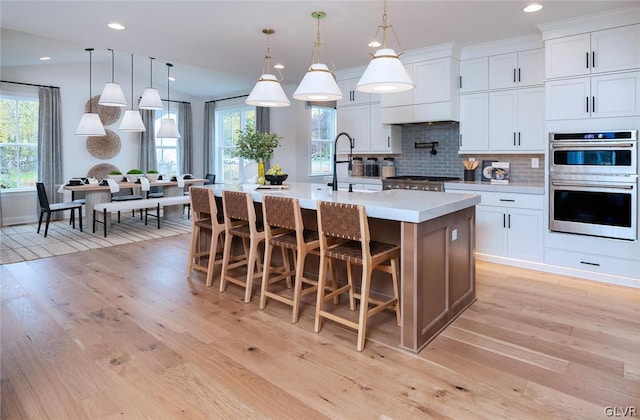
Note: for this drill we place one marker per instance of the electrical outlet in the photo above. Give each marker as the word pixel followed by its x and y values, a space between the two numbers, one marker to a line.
pixel 535 163
pixel 454 234
pixel 472 159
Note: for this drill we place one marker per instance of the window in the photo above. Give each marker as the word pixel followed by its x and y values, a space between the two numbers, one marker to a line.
pixel 18 140
pixel 228 122
pixel 166 149
pixel 323 133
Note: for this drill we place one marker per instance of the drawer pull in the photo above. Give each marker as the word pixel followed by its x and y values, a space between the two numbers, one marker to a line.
pixel 590 263
pixel 508 200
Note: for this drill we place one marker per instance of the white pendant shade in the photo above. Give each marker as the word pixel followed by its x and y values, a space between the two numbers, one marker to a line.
pixel 385 74
pixel 112 95
pixel 168 129
pixel 90 125
pixel 318 84
pixel 151 100
pixel 132 121
pixel 268 93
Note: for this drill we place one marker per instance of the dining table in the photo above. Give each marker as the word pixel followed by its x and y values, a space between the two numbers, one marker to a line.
pixel 98 193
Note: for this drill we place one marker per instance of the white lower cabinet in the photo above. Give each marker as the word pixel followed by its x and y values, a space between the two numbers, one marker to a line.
pixel 509 225
pixel 509 232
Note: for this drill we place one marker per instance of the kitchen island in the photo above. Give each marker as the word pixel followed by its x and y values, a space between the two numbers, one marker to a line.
pixel 437 234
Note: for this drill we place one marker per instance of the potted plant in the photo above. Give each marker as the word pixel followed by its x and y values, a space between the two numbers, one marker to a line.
pixel 115 175
pixel 152 175
pixel 134 174
pixel 255 145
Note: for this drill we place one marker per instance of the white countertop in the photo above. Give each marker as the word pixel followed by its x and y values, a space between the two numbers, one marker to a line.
pixel 356 179
pixel 399 205
pixel 511 187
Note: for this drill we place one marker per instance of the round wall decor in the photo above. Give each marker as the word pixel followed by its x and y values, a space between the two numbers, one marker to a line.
pixel 108 114
pixel 104 147
pixel 101 171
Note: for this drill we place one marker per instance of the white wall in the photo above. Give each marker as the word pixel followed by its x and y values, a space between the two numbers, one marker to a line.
pixel 74 90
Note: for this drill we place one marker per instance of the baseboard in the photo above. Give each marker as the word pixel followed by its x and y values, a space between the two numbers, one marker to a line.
pixel 565 271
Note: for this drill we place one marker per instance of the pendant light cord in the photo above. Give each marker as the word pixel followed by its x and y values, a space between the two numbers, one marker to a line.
pixel 90 101
pixel 132 81
pixel 169 65
pixel 151 71
pixel 112 64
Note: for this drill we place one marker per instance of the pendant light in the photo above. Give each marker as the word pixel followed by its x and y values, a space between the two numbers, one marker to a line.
pixel 385 72
pixel 318 83
pixel 267 92
pixel 132 121
pixel 112 93
pixel 90 124
pixel 168 129
pixel 151 97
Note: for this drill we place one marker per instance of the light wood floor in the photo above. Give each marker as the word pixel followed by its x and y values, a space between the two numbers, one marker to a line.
pixel 120 332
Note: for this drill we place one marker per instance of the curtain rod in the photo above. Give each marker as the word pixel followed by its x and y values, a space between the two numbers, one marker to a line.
pixel 224 99
pixel 29 84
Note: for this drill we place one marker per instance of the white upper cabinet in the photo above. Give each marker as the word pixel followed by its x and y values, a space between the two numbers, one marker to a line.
pixel 596 52
pixel 524 68
pixel 474 122
pixel 351 96
pixel 516 120
pixel 609 95
pixel 369 135
pixel 474 75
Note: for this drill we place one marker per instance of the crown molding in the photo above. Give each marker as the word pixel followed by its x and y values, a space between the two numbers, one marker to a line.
pixel 589 23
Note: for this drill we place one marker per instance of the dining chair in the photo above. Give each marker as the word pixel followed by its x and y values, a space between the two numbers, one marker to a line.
pixel 344 235
pixel 45 207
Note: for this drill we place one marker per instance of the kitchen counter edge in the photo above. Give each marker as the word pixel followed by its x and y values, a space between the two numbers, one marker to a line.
pixel 512 187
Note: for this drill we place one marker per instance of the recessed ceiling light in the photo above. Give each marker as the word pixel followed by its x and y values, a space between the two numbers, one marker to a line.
pixel 532 8
pixel 45 58
pixel 116 25
pixel 278 66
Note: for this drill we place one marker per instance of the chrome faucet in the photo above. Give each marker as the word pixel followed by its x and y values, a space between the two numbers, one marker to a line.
pixel 334 187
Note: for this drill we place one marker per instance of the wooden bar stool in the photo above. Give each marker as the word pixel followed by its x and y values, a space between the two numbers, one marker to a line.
pixel 240 221
pixel 344 235
pixel 284 228
pixel 205 218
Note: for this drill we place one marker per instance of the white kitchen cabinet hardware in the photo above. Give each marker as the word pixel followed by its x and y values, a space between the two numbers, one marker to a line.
pixel 518 69
pixel 602 96
pixel 474 75
pixel 616 49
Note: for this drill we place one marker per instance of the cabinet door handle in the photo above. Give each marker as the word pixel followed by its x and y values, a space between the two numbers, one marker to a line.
pixel 587 54
pixel 593 104
pixel 509 219
pixel 460 82
pixel 388 141
pixel 508 200
pixel 519 78
pixel 587 104
pixel 504 220
pixel 514 75
pixel 519 138
pixel 514 138
pixel 589 263
pixel 593 59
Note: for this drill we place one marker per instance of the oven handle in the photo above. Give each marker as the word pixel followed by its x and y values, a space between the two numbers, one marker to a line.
pixel 581 184
pixel 591 145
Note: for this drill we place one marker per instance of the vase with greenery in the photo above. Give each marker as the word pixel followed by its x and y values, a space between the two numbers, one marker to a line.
pixel 255 145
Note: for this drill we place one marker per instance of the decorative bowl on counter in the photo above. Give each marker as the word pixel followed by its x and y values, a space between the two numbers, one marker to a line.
pixel 276 179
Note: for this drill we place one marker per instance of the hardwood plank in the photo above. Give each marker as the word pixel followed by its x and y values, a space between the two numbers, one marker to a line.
pixel 121 332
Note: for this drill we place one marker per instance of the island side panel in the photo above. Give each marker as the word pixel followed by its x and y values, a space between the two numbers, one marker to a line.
pixel 438 275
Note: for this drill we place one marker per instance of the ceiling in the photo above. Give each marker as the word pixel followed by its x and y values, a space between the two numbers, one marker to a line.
pixel 217 47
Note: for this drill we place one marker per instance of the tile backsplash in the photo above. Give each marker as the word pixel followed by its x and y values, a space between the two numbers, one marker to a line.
pixel 447 162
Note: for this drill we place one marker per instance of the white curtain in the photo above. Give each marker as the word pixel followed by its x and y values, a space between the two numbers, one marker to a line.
pixel 50 170
pixel 147 151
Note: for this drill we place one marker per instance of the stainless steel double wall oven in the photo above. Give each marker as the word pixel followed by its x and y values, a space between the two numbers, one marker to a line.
pixel 593 183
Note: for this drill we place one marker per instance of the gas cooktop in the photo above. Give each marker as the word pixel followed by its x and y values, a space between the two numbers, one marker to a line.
pixel 424 178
